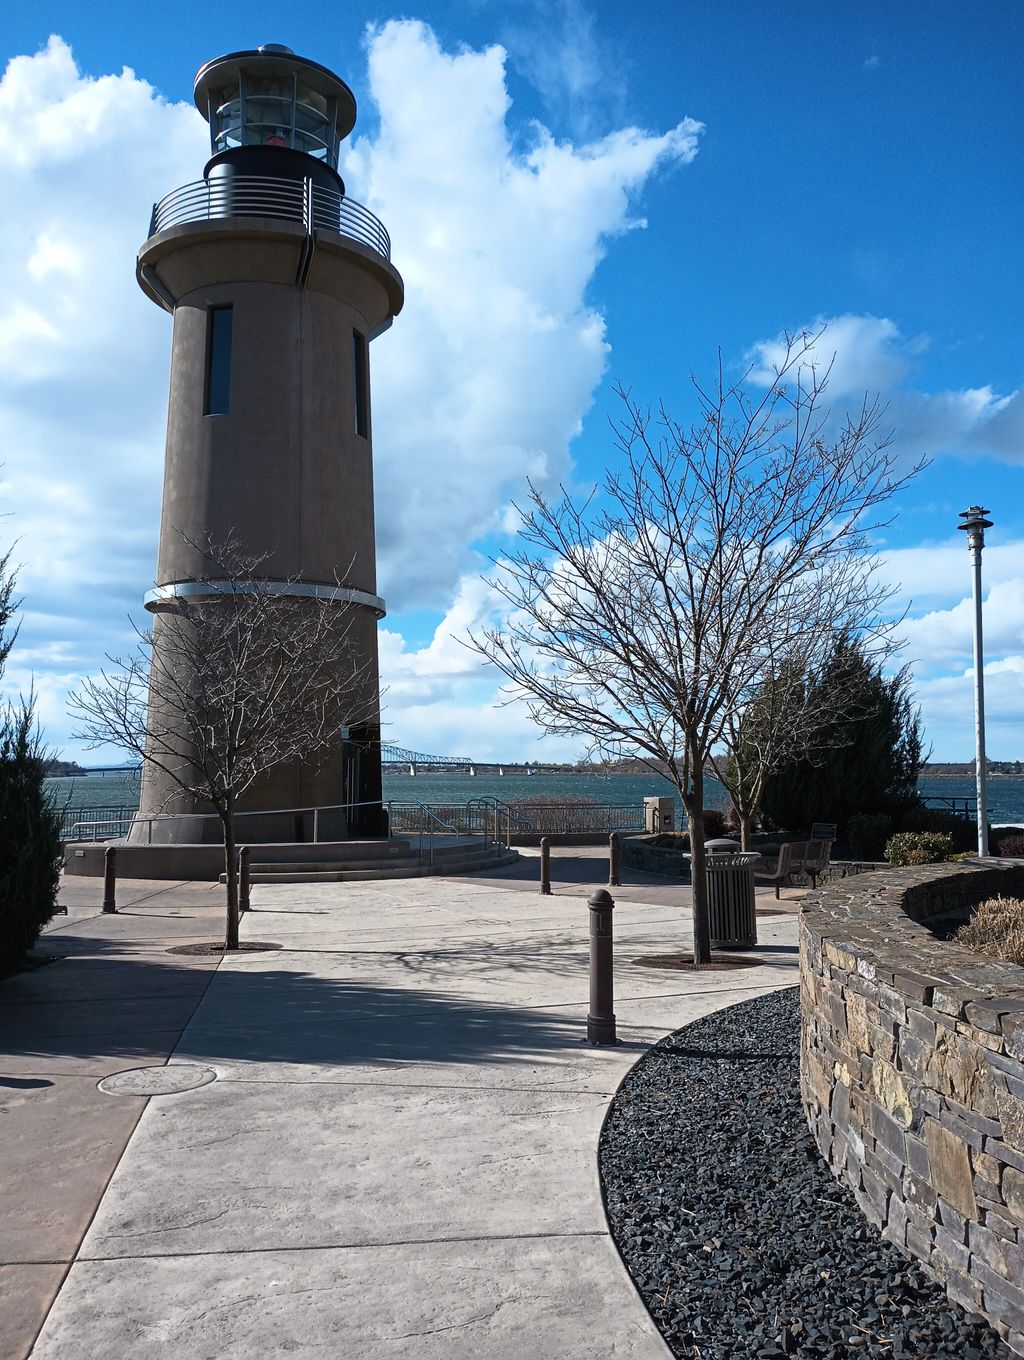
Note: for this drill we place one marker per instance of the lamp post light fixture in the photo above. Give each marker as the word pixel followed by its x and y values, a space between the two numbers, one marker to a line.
pixel 975 523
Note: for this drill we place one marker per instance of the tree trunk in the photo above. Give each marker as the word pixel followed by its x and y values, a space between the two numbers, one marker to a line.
pixel 746 829
pixel 231 880
pixel 694 802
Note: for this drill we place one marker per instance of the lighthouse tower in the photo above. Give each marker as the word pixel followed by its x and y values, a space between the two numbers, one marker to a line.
pixel 277 283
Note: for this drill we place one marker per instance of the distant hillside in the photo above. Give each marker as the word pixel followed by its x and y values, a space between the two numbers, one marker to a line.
pixel 61 769
pixel 997 769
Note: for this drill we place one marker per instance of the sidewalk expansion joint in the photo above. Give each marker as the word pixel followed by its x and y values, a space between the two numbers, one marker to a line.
pixel 604 1093
pixel 341 1246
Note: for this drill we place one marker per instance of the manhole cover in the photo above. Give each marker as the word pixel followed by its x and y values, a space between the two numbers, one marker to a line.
pixel 217 947
pixel 157 1081
pixel 720 963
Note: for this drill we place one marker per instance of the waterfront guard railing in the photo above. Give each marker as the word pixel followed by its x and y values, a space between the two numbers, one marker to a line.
pixel 299 200
pixel 488 819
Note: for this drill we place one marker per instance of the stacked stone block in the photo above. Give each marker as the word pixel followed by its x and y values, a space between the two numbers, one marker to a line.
pixel 912 1073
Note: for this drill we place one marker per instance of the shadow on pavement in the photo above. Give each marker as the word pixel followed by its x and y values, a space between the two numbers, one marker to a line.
pixel 294 1017
pixel 113 1003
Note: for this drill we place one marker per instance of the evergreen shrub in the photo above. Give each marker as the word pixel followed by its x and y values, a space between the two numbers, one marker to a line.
pixel 919 847
pixel 867 833
pixel 714 824
pixel 1012 845
pixel 30 846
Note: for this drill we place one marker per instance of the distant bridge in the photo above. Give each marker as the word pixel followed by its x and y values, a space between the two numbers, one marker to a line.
pixel 398 755
pixel 394 758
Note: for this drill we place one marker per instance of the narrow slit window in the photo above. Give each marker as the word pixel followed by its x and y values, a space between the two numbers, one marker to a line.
pixel 218 361
pixel 361 384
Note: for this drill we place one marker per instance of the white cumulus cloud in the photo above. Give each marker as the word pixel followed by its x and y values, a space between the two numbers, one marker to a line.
pixel 869 355
pixel 485 378
pixel 943 634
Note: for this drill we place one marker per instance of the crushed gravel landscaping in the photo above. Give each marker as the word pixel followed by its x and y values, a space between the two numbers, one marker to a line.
pixel 734 1230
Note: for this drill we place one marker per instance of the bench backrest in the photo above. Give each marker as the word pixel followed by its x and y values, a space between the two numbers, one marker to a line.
pixel 817 854
pixel 791 854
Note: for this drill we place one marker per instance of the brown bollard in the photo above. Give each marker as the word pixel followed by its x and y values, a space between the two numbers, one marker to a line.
pixel 545 866
pixel 110 879
pixel 614 849
pixel 243 879
pixel 601 1019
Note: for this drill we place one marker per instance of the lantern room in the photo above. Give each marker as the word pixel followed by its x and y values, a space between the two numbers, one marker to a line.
pixel 270 98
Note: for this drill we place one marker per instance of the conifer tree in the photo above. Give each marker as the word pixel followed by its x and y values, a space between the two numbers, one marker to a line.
pixel 30 847
pixel 873 758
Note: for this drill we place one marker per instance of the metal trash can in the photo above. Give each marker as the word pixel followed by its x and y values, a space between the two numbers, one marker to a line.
pixel 731 899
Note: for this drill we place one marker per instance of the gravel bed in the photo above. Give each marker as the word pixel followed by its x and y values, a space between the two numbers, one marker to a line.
pixel 734 1230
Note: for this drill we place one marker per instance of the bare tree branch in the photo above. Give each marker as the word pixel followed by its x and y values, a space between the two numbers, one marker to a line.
pixel 226 686
pixel 714 559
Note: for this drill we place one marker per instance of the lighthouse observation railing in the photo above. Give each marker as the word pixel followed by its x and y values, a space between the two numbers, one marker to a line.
pixel 297 200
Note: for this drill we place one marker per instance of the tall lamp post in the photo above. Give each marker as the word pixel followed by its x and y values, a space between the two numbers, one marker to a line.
pixel 975 524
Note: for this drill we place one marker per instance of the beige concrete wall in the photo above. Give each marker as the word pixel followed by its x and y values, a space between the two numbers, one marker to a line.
pixel 283 471
pixel 318 781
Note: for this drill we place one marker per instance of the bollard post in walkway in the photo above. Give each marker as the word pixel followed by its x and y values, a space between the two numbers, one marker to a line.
pixel 243 879
pixel 545 866
pixel 601 1018
pixel 110 879
pixel 614 849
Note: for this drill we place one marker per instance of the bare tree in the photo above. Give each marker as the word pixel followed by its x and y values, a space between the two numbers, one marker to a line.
pixel 228 686
pixel 648 613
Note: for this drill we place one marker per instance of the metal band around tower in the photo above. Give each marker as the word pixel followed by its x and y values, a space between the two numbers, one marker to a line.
pixel 162 596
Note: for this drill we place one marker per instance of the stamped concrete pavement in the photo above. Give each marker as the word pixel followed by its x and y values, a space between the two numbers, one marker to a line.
pixel 399 1155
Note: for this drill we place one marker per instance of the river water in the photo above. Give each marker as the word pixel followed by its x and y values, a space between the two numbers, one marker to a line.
pixel 1005 796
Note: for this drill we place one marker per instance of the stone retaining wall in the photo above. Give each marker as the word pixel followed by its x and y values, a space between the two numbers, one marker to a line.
pixel 912 1073
pixel 638 852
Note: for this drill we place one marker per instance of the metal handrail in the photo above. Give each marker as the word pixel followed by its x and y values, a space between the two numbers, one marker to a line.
pixel 489 801
pixel 97 832
pixel 73 819
pixel 486 817
pixel 298 200
pixel 961 805
pixel 425 812
pixel 519 819
pixel 422 807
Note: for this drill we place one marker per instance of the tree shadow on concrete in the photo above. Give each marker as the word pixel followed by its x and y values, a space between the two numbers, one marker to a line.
pixel 555 954
pixel 588 870
pixel 289 1017
pixel 121 1005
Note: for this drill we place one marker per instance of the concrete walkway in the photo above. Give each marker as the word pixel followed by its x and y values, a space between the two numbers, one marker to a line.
pixel 398 1156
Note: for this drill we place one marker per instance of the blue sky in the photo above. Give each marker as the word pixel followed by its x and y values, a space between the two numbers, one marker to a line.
pixel 561 227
